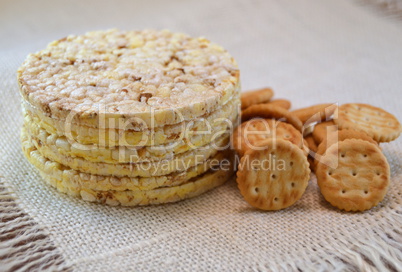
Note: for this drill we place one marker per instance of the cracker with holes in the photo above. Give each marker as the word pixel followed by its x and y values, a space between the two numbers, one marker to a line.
pixel 250 133
pixel 273 177
pixel 271 111
pixel 353 175
pixel 342 135
pixel 376 122
pixel 255 97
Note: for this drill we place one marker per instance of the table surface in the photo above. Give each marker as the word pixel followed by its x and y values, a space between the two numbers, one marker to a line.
pixel 307 51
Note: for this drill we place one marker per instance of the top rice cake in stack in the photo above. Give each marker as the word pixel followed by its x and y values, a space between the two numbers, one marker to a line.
pixel 130 117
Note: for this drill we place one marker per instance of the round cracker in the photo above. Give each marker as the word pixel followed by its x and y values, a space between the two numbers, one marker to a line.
pixel 194 187
pixel 138 77
pixel 248 134
pixel 317 113
pixel 116 192
pixel 283 103
pixel 195 145
pixel 161 172
pixel 322 130
pixel 353 175
pixel 128 137
pixel 379 124
pixel 274 177
pixel 271 111
pixel 255 97
pixel 340 135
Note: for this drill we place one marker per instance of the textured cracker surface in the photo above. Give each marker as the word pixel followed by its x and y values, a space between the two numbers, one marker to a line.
pixel 271 111
pixel 279 181
pixel 353 175
pixel 323 130
pixel 127 137
pixel 193 188
pixel 74 180
pixel 255 97
pixel 341 135
pixel 120 154
pixel 195 145
pixel 128 73
pixel 249 133
pixel 320 112
pixel 161 170
pixel 379 124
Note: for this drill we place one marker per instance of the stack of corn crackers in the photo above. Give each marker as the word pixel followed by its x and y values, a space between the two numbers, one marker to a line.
pixel 130 118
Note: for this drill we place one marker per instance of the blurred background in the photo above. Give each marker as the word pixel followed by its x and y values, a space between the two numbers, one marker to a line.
pixel 307 50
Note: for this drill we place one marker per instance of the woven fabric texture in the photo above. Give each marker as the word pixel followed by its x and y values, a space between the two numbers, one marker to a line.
pixel 307 51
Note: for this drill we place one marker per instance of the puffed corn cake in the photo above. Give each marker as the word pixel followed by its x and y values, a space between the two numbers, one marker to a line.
pixel 130 117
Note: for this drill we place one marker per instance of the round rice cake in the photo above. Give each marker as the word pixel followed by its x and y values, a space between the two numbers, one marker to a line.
pixel 194 187
pixel 142 78
pixel 119 154
pixel 354 175
pixel 212 123
pixel 78 179
pixel 274 177
pixel 249 133
pixel 379 124
pixel 127 154
pixel 150 170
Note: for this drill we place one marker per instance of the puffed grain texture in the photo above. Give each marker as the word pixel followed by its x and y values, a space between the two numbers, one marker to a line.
pixel 141 77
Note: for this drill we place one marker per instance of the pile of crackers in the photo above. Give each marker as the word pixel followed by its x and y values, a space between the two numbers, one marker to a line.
pixel 130 117
pixel 145 117
pixel 278 147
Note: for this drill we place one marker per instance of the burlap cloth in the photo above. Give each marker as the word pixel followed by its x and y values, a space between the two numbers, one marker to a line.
pixel 308 51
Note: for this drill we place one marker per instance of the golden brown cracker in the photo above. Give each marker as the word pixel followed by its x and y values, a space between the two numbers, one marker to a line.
pixel 323 130
pixel 353 175
pixel 379 124
pixel 248 134
pixel 342 135
pixel 271 111
pixel 311 148
pixel 284 103
pixel 274 177
pixel 311 163
pixel 317 113
pixel 255 97
pixel 311 143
